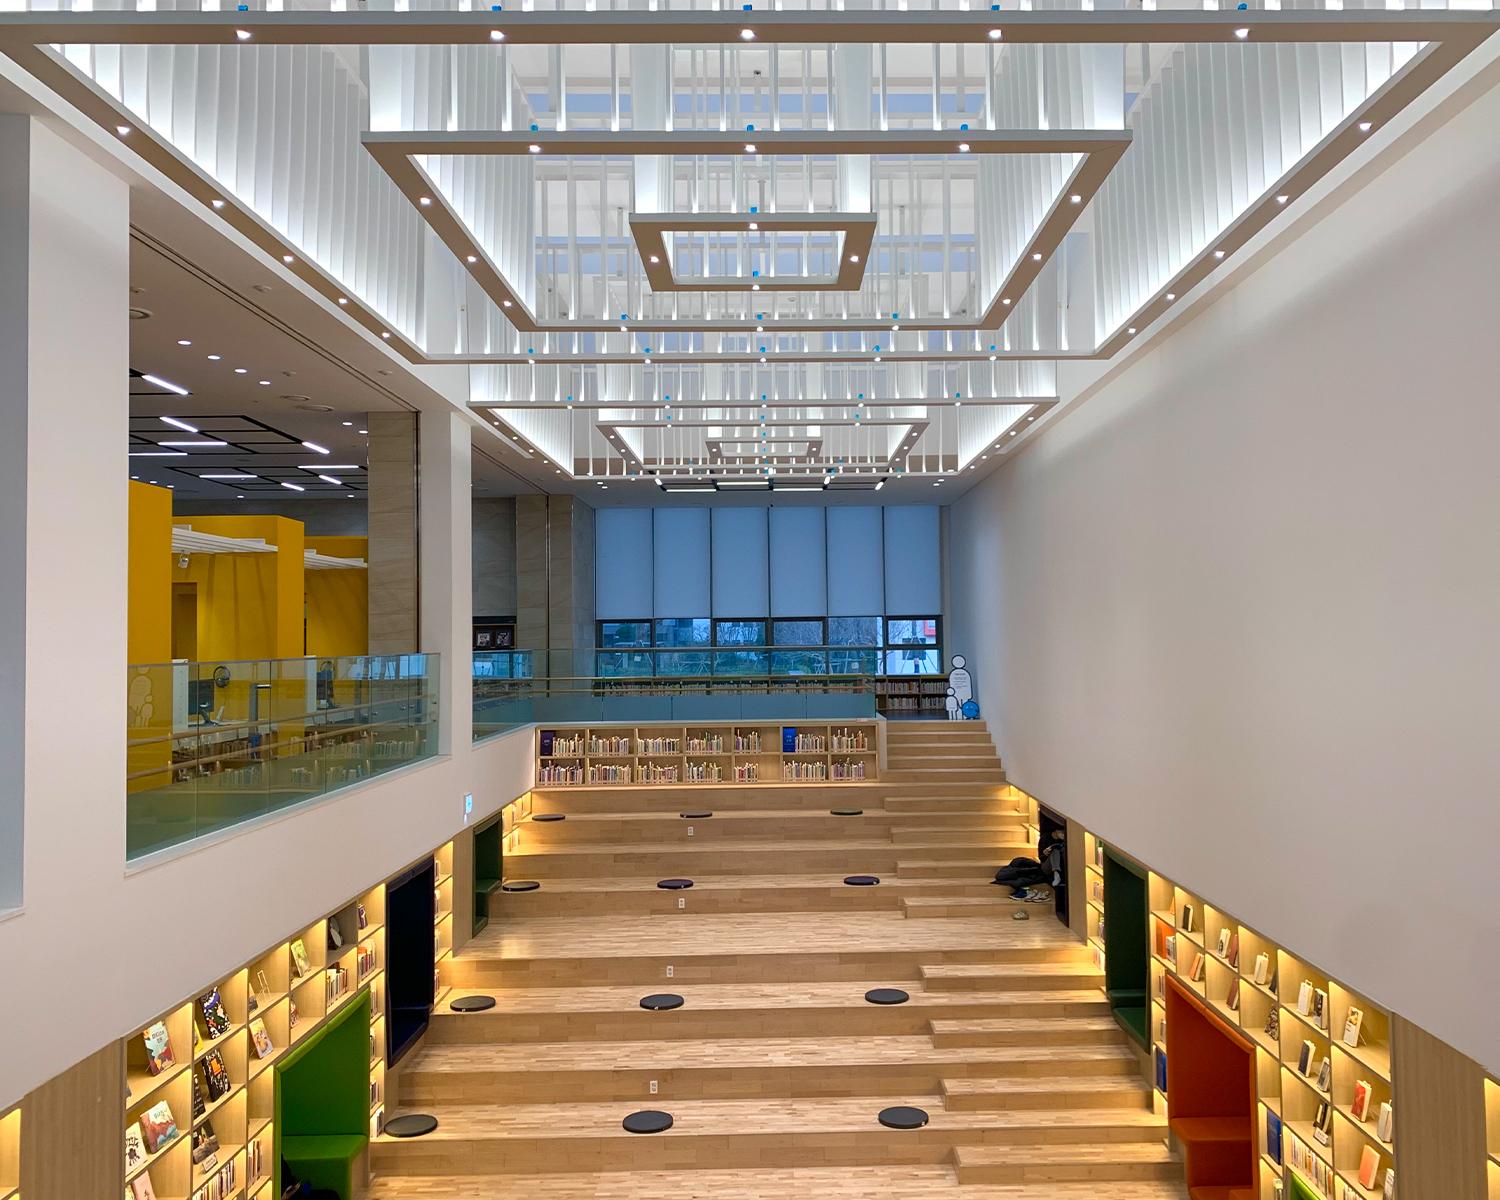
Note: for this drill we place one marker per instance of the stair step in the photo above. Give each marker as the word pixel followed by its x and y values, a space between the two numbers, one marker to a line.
pixel 1010 1031
pixel 974 870
pixel 1058 1092
pixel 961 906
pixel 984 977
pixel 1064 1164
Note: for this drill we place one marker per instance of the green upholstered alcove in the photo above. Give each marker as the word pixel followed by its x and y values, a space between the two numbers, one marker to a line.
pixel 322 1106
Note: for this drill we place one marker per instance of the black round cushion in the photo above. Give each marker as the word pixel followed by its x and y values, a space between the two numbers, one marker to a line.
pixel 847 812
pixel 674 885
pixel 411 1125
pixel 648 1120
pixel 519 885
pixel 886 996
pixel 550 817
pixel 696 816
pixel 472 1003
pixel 861 880
pixel 903 1117
pixel 662 1001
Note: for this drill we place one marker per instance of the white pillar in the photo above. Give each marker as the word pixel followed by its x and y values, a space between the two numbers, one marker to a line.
pixel 445 524
pixel 64 403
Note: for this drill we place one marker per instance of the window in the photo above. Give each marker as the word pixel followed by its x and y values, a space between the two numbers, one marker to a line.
pixel 912 646
pixel 800 631
pixel 739 633
pixel 683 631
pixel 854 632
pixel 625 633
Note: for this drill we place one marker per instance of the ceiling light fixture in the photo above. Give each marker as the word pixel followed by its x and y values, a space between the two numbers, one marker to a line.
pixel 533 149
pixel 963 147
pixel 497 35
pixel 1036 257
pixel 1218 254
pixel 1075 198
pixel 749 147
pixel 242 34
pixel 315 448
pixel 332 480
pixel 286 258
pixel 747 35
pixel 240 370
pixel 199 442
pixel 854 258
pixel 1171 295
pixel 1366 126
pixel 183 342
pixel 183 425
pixel 1131 329
pixel 1005 300
pixel 164 383
pixel 1282 199
pixel 228 475
pixel 217 203
pixel 996 34
pixel 343 299
pixel 122 130
pixel 655 259
pixel 214 357
pixel 505 304
pixel 473 258
pixel 754 226
pixel 296 487
pixel 385 333
pixel 424 200
pixel 157 454
pixel 1242 33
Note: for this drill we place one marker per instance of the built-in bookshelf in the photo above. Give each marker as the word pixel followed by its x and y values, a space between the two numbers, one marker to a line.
pixel 1325 1095
pixel 10 1154
pixel 707 754
pixel 199 1098
pixel 442 919
pixel 1492 1135
pixel 905 695
pixel 1093 893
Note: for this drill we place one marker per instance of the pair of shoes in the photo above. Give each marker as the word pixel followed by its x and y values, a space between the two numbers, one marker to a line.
pixel 1037 896
pixel 1019 893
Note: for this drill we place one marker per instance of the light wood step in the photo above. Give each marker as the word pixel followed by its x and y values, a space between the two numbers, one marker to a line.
pixel 946 775
pixel 730 1134
pixel 582 1072
pixel 1059 1092
pixel 926 867
pixel 997 902
pixel 692 857
pixel 613 1013
pixel 983 977
pixel 778 797
pixel 904 760
pixel 1009 1031
pixel 1070 1164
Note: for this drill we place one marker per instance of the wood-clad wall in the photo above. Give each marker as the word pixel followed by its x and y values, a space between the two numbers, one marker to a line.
pixel 72 1131
pixel 1440 1153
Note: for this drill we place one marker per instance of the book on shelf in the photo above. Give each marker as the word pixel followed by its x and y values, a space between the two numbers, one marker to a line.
pixel 1171 948
pixel 300 961
pixel 1262 969
pixel 135 1148
pixel 215 1019
pixel 1186 923
pixel 1323 1123
pixel 292 1015
pixel 1305 1059
pixel 1385 1119
pixel 1305 998
pixel 1390 1183
pixel 200 1105
pixel 158 1126
pixel 205 1143
pixel 260 1038
pixel 1233 953
pixel 1361 1105
pixel 1352 1025
pixel 1161 1070
pixel 1320 1008
pixel 335 934
pixel 1369 1167
pixel 1232 1000
pixel 215 1075
pixel 1195 972
pixel 158 1044
pixel 1221 945
pixel 140 1187
pixel 1325 1075
pixel 1273 1136
pixel 1273 1024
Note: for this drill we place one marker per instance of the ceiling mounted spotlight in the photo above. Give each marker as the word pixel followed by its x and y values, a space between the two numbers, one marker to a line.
pixel 754 226
pixel 1171 295
pixel 1366 126
pixel 497 35
pixel 1242 33
pixel 749 147
pixel 242 34
pixel 1005 300
pixel 217 203
pixel 1037 256
pixel 1131 329
pixel 1075 198
pixel 1218 254
pixel 343 300
pixel 286 258
pixel 122 130
pixel 996 34
pixel 1282 199
pixel 747 35
pixel 533 149
pixel 473 258
pixel 963 147
pixel 854 258
pixel 424 200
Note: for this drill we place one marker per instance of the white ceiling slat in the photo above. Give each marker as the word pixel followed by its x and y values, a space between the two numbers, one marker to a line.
pixel 187 540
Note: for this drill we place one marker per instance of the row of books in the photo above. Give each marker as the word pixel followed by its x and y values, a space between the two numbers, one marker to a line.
pixel 712 744
pixel 746 773
pixel 223 1183
pixel 656 773
pixel 552 773
pixel 807 743
pixel 704 772
pixel 804 771
pixel 848 770
pixel 659 745
pixel 844 740
pixel 611 746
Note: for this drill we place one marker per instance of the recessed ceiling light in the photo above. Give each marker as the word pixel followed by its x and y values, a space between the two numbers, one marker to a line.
pixel 332 480
pixel 1031 418
pixel 296 487
pixel 747 35
pixel 534 148
pixel 240 371
pixel 1171 295
pixel 996 34
pixel 505 304
pixel 754 225
pixel 424 200
pixel 655 259
pixel 286 258
pixel 228 475
pixel 497 35
pixel 176 424
pixel 755 287
pixel 361 431
pixel 1006 300
pixel 1366 126
pixel 385 333
pixel 854 258
pixel 473 258
pixel 183 342
pixel 1131 329
pixel 1012 433
pixel 175 389
pixel 1075 198
pixel 315 448
pixel 198 442
pixel 1036 257
pixel 1282 199
pixel 214 357
pixel 242 34
pixel 749 147
pixel 963 147
pixel 1218 254
pixel 122 130
pixel 157 454
pixel 217 203
pixel 350 424
pixel 1242 33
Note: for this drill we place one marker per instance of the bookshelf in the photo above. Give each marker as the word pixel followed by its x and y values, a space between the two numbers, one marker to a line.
pixel 1492 1135
pixel 215 1086
pixel 1093 891
pixel 905 695
pixel 442 920
pixel 10 1154
pixel 1328 1118
pixel 707 754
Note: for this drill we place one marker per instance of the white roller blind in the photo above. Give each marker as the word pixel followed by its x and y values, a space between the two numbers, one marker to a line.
pixel 622 582
pixel 798 557
pixel 856 578
pixel 740 571
pixel 913 561
pixel 681 556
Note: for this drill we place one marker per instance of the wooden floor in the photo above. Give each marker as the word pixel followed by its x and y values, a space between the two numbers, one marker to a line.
pixel 776 1067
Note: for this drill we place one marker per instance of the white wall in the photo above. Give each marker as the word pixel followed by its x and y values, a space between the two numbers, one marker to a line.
pixel 1239 611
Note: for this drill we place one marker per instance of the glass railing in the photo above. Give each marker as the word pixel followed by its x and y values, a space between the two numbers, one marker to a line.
pixel 211 745
pixel 518 687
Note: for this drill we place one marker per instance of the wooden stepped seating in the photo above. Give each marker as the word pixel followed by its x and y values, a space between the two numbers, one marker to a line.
pixel 776 1067
pixel 726 894
pixel 747 1133
pixel 1055 1091
pixel 906 1182
pixel 1052 1164
pixel 730 1068
pixel 758 1010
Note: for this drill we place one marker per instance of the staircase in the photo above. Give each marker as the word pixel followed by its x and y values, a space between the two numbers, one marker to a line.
pixel 775 1068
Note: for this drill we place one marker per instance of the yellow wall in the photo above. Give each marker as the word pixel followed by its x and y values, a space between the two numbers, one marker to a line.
pixel 338 608
pixel 148 638
pixel 249 605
